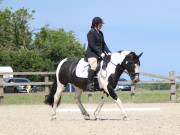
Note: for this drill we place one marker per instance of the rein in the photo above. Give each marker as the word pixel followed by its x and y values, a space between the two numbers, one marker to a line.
pixel 104 76
pixel 117 65
pixel 113 64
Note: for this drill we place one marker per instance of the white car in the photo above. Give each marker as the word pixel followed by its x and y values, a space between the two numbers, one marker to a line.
pixel 122 85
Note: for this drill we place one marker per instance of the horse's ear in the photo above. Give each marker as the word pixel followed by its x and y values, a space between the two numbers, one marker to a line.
pixel 140 55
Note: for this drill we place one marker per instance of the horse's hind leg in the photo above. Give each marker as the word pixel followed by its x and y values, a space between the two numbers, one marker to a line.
pixel 78 94
pixel 57 96
pixel 99 107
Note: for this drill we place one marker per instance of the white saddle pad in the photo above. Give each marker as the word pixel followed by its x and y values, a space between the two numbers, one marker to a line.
pixel 82 69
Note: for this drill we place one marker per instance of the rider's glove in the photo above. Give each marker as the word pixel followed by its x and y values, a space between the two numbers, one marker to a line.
pixel 102 55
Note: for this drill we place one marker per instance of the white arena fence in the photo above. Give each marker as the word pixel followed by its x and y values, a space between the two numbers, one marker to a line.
pixel 171 79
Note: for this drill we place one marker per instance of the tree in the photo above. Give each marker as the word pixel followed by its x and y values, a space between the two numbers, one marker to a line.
pixel 58 44
pixel 14 28
pixel 30 60
pixel 25 60
pixel 19 50
pixel 5 57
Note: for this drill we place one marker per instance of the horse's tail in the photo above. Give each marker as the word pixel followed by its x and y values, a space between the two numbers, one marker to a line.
pixel 49 99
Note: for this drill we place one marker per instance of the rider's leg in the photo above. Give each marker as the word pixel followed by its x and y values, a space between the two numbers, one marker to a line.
pixel 91 73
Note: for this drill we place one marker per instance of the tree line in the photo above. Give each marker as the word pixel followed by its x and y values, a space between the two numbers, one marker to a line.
pixel 26 50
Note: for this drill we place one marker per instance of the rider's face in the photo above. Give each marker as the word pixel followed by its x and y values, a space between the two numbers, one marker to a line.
pixel 99 26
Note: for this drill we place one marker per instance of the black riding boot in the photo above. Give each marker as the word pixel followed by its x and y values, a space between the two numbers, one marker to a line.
pixel 91 74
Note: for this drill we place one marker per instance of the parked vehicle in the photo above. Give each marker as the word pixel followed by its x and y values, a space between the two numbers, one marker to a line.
pixel 122 85
pixel 6 69
pixel 20 88
pixel 69 88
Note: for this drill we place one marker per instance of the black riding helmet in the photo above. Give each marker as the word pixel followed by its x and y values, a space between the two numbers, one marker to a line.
pixel 96 21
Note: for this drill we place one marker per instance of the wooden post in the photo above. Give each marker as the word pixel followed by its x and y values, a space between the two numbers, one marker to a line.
pixel 172 77
pixel 90 97
pixel 1 88
pixel 46 79
pixel 132 90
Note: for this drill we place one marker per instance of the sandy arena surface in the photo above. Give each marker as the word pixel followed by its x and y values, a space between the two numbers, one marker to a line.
pixel 35 120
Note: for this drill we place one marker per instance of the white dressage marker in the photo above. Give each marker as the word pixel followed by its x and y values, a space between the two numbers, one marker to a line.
pixel 146 109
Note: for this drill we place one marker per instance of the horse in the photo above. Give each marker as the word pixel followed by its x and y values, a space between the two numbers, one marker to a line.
pixel 75 71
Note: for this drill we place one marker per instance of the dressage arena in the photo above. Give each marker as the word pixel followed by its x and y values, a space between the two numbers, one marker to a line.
pixel 143 119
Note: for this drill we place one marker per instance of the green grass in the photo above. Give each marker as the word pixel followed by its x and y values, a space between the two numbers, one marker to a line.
pixel 22 99
pixel 145 97
pixel 141 96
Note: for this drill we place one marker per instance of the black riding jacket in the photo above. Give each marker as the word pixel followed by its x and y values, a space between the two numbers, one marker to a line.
pixel 96 44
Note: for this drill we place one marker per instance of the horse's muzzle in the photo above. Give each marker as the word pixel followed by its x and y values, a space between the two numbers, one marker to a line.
pixel 136 79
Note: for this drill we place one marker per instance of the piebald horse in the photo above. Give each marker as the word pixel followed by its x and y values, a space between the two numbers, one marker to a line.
pixel 106 81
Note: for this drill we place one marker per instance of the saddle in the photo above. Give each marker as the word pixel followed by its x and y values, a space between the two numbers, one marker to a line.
pixel 83 66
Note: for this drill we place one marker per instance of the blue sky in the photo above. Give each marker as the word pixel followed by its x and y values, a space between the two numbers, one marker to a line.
pixel 149 26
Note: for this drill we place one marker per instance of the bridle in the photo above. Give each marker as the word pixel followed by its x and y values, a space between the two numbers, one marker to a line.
pixel 131 75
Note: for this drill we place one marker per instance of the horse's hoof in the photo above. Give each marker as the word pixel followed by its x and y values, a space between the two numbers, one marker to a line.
pixel 86 117
pixel 125 118
pixel 95 118
pixel 52 119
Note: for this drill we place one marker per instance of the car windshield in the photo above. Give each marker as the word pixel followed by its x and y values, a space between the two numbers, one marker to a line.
pixel 20 80
pixel 122 79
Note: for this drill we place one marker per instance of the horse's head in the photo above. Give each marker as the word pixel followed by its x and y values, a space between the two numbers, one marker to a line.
pixel 131 63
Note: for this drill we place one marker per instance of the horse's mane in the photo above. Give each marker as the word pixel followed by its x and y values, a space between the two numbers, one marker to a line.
pixel 131 52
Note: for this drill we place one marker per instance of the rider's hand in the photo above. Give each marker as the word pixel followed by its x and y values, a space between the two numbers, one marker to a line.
pixel 109 53
pixel 102 55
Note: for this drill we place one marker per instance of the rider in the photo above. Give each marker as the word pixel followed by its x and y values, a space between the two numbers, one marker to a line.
pixel 96 49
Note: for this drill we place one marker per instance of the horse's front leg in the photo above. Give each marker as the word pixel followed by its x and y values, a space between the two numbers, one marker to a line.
pixel 78 94
pixel 118 102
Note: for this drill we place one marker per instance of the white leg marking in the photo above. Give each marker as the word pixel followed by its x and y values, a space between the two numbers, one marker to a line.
pixel 119 103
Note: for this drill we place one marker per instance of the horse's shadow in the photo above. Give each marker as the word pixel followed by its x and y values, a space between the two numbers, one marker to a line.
pixel 112 119
pixel 106 119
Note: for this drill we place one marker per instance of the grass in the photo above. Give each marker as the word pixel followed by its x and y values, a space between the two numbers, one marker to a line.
pixel 22 99
pixel 141 96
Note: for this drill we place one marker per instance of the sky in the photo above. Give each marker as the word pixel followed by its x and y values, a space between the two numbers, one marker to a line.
pixel 148 26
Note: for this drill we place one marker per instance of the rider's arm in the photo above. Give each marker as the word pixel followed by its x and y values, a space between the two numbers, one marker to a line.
pixel 106 49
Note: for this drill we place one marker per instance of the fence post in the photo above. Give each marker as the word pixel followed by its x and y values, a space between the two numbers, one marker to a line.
pixel 132 90
pixel 46 79
pixel 89 97
pixel 1 88
pixel 172 77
